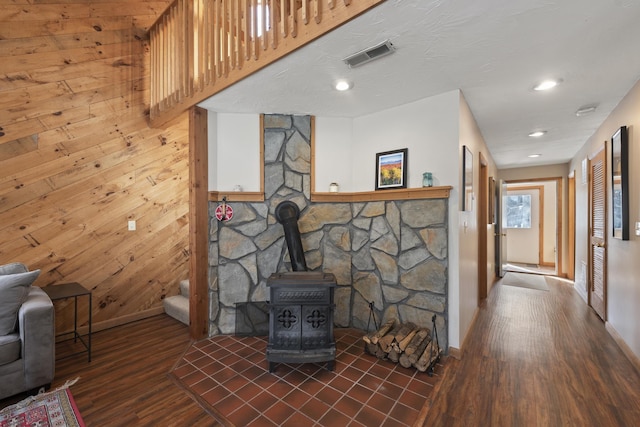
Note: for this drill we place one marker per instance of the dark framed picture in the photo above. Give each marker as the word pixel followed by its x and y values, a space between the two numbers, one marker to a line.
pixel 491 203
pixel 620 183
pixel 391 169
pixel 467 179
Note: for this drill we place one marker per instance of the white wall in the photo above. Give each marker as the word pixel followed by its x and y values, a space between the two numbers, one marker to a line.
pixel 623 268
pixel 463 236
pixel 234 151
pixel 333 153
pixel 212 152
pixel 428 128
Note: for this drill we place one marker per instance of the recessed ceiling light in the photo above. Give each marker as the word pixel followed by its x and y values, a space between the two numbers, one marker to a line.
pixel 537 134
pixel 342 85
pixel 533 156
pixel 547 84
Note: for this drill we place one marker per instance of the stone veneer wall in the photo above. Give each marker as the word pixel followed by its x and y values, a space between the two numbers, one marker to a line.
pixel 393 254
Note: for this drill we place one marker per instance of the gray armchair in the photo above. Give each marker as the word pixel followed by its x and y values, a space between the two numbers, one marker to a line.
pixel 27 351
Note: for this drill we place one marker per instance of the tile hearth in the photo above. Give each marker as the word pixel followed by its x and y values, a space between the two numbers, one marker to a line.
pixel 229 375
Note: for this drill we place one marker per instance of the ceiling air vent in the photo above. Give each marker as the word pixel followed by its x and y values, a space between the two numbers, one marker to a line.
pixel 369 54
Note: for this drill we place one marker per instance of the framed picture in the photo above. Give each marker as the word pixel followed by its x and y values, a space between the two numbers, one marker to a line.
pixel 467 179
pixel 391 169
pixel 491 203
pixel 620 183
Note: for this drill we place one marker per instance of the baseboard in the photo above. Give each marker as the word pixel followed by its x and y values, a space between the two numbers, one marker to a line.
pixel 456 353
pixel 635 360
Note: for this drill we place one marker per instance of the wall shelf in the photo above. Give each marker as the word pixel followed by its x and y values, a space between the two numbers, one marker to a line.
pixel 344 197
pixel 385 195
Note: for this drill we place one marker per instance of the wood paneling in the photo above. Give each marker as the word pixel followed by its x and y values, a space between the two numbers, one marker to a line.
pixel 78 159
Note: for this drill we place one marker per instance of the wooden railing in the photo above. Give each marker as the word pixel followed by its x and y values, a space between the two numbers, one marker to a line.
pixel 199 47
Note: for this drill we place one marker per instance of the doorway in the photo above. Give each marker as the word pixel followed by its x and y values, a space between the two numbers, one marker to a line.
pixel 534 242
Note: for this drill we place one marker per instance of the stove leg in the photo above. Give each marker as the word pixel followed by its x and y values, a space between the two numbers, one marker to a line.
pixel 330 365
pixel 272 367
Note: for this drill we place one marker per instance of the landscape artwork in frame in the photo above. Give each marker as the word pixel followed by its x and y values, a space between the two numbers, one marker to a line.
pixel 467 179
pixel 391 169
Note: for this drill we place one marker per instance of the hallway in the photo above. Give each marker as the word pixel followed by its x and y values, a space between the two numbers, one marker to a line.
pixel 538 358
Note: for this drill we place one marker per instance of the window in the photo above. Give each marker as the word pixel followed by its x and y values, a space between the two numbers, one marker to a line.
pixel 518 211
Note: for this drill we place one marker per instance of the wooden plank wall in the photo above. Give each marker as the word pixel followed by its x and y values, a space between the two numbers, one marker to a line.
pixel 78 158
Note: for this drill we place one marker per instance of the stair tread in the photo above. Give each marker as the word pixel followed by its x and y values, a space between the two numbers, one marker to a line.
pixel 177 306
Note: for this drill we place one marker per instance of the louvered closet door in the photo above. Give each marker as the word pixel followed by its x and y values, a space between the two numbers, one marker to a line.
pixel 598 234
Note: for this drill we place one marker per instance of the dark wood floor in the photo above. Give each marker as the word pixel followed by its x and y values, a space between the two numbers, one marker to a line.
pixel 126 383
pixel 538 358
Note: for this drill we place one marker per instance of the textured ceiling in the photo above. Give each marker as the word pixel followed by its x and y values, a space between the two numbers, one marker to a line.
pixel 493 50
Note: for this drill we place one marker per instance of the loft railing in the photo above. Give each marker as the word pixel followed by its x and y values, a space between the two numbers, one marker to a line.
pixel 199 47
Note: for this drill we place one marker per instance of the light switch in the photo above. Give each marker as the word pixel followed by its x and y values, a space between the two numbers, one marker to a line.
pixel 132 225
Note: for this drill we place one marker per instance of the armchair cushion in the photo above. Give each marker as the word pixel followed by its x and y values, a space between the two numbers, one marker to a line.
pixel 9 348
pixel 15 281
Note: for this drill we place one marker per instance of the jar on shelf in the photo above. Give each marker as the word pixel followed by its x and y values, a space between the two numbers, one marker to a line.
pixel 427 179
pixel 334 187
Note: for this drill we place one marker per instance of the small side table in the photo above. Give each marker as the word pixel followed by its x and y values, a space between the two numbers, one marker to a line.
pixel 72 290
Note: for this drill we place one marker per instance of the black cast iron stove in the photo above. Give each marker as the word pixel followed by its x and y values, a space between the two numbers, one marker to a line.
pixel 301 318
pixel 301 304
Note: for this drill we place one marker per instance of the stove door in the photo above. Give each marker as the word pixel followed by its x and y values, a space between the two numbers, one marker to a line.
pixel 285 327
pixel 317 326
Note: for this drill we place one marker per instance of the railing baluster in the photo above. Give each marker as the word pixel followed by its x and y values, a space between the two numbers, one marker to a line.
pixel 273 15
pixel 293 23
pixel 263 20
pixel 189 48
pixel 238 33
pixel 247 29
pixel 331 4
pixel 283 18
pixel 255 43
pixel 216 38
pixel 317 11
pixel 232 34
pixel 305 11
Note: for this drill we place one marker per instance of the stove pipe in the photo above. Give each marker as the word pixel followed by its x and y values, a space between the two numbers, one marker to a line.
pixel 287 214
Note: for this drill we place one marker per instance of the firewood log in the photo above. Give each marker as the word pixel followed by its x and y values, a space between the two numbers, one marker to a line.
pixel 406 340
pixel 417 340
pixel 405 330
pixel 404 360
pixel 386 341
pixel 372 348
pixel 393 355
pixel 428 357
pixel 380 354
pixel 373 338
pixel 416 355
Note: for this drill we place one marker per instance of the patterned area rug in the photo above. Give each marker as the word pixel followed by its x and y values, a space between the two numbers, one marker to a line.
pixel 56 408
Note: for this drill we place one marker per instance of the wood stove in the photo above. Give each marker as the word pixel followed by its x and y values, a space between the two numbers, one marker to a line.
pixel 301 318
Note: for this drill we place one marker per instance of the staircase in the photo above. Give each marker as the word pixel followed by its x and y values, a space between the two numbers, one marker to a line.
pixel 177 306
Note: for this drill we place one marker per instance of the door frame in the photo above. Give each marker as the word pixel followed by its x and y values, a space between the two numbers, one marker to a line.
pixel 540 190
pixel 571 225
pixel 483 216
pixel 559 210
